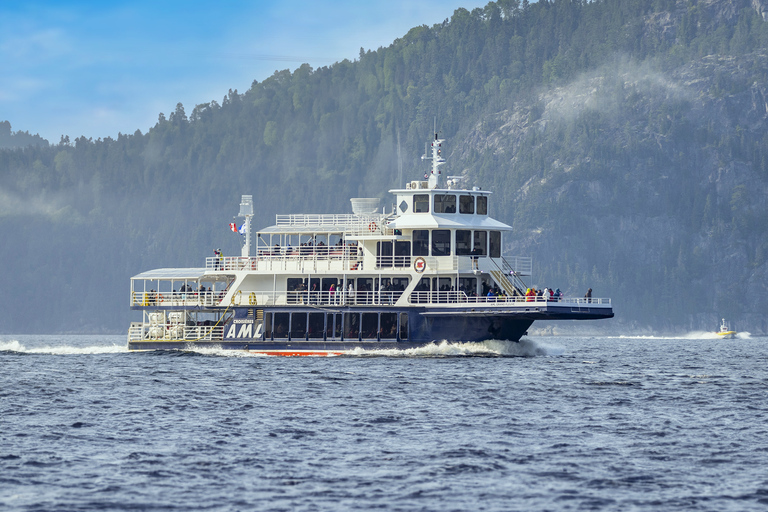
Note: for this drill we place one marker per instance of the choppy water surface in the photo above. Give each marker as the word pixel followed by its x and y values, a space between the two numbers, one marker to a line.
pixel 576 423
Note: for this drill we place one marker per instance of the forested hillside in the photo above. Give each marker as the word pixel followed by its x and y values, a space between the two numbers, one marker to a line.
pixel 625 140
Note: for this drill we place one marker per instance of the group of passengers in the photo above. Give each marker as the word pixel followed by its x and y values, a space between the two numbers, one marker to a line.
pixel 312 247
pixel 547 295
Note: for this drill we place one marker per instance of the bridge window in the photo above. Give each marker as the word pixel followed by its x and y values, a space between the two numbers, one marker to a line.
pixel 463 242
pixel 466 204
pixel 445 203
pixel 495 244
pixel 482 205
pixel 420 242
pixel 421 203
pixel 481 242
pixel 441 242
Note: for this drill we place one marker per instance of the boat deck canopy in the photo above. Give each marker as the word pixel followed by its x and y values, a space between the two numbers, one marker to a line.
pixel 177 274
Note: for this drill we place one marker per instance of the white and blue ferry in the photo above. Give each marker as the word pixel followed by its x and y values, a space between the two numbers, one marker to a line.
pixel 432 269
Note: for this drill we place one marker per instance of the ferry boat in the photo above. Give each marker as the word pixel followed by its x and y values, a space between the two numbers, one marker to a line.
pixel 725 331
pixel 431 269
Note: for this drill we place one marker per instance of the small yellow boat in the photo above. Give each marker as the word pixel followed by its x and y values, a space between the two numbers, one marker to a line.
pixel 725 331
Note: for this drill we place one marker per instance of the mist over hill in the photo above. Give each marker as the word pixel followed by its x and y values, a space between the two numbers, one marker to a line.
pixel 625 141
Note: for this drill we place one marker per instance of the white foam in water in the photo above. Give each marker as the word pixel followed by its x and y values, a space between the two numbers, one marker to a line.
pixel 218 351
pixel 523 348
pixel 693 335
pixel 15 346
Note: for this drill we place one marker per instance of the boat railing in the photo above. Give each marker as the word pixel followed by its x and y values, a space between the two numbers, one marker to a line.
pixel 172 331
pixel 349 224
pixel 303 258
pixel 451 297
pixel 337 298
pixel 180 299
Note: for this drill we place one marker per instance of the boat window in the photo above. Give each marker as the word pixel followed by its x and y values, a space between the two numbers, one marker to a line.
pixel 420 242
pixel 295 287
pixel 495 244
pixel 388 326
pixel 370 325
pixel 298 326
pixel 481 242
pixel 384 254
pixel 482 205
pixel 463 242
pixel 351 326
pixel 327 282
pixel 331 331
pixel 364 290
pixel 445 203
pixel 421 203
pixel 466 204
pixel 268 326
pixel 281 326
pixel 441 242
pixel 468 285
pixel 400 283
pixel 316 325
pixel 402 253
pixel 403 326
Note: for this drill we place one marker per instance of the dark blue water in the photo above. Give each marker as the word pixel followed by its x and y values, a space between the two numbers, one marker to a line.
pixel 578 423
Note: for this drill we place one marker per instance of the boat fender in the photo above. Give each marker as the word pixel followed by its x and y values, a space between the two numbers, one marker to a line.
pixel 252 299
pixel 372 227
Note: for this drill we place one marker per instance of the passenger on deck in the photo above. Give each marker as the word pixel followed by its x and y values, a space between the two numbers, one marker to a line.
pixel 588 295
pixel 475 254
pixel 530 295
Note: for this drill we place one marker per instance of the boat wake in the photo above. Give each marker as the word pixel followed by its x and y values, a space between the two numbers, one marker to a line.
pixel 17 347
pixel 693 335
pixel 490 348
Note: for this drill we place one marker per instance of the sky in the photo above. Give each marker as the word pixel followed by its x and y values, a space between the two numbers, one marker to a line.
pixel 99 68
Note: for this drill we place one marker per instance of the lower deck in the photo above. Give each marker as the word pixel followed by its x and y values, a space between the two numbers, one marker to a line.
pixel 341 328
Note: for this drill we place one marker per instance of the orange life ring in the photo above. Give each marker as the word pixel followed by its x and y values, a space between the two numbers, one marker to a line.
pixel 372 227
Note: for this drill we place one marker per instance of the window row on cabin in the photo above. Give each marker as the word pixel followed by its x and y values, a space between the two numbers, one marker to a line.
pixel 446 203
pixel 443 242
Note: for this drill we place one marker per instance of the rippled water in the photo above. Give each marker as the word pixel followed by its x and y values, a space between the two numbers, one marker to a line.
pixel 578 423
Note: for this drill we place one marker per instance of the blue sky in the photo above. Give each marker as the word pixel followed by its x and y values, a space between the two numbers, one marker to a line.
pixel 96 68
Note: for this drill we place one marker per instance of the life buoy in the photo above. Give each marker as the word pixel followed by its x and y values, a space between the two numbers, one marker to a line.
pixel 252 299
pixel 160 297
pixel 372 227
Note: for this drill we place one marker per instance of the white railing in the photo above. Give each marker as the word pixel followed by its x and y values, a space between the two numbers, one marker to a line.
pixel 347 297
pixel 174 332
pixel 432 298
pixel 180 299
pixel 351 225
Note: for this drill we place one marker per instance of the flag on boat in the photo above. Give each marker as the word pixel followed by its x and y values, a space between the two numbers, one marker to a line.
pixel 233 227
pixel 241 229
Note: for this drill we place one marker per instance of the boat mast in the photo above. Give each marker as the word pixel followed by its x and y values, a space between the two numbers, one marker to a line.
pixel 246 210
pixel 437 161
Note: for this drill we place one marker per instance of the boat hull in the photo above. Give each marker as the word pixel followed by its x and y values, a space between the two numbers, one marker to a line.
pixel 416 327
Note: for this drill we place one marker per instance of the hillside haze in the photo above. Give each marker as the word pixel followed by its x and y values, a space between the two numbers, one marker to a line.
pixel 625 141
